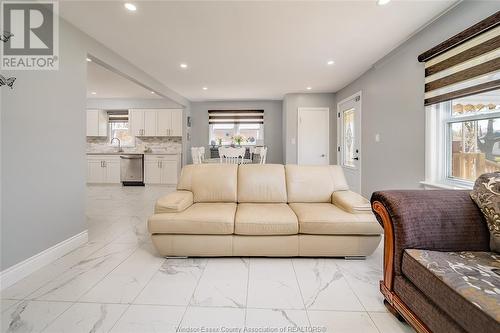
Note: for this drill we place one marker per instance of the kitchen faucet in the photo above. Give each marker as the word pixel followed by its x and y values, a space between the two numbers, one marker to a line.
pixel 119 144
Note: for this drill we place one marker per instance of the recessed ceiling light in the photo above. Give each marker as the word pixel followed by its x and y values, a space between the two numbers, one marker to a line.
pixel 130 6
pixel 89 60
pixel 383 2
pixel 309 88
pixel 153 92
pixel 330 62
pixel 93 93
pixel 184 65
pixel 204 88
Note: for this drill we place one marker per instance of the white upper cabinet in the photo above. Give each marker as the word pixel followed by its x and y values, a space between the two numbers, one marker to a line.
pixel 136 122
pixel 97 123
pixel 156 122
pixel 150 120
pixel 164 123
pixel 176 124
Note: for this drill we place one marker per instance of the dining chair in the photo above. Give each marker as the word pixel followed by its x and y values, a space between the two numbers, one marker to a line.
pixel 198 154
pixel 262 155
pixel 230 155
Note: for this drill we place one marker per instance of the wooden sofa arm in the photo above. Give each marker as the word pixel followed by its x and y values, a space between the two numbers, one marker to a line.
pixel 442 220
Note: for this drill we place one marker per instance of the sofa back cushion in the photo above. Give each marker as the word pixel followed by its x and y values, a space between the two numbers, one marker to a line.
pixel 185 180
pixel 261 183
pixel 214 182
pixel 314 183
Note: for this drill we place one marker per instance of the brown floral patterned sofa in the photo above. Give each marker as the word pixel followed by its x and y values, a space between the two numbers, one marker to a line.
pixel 439 273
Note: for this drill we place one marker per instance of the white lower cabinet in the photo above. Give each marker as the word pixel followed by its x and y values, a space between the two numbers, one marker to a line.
pixel 161 169
pixel 103 169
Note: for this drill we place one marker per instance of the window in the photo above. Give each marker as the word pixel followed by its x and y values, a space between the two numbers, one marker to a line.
pixel 462 98
pixel 226 134
pixel 119 128
pixel 466 135
pixel 227 127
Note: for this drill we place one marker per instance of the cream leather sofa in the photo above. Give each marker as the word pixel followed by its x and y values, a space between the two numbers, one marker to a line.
pixel 263 210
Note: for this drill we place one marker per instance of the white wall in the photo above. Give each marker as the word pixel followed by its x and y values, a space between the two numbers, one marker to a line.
pixel 272 123
pixel 291 103
pixel 392 103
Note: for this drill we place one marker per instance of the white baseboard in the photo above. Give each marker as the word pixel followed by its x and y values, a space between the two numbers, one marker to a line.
pixel 20 270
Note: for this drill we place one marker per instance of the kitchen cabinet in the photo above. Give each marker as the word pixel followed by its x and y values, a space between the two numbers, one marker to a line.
pixel 136 122
pixel 97 123
pixel 103 169
pixel 161 169
pixel 156 122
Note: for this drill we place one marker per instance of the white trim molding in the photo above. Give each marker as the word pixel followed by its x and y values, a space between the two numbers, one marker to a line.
pixel 20 270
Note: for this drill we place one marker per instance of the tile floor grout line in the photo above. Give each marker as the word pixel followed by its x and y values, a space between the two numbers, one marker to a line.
pixel 357 297
pixel 248 286
pixel 374 323
pixel 95 284
pixel 192 295
pixel 132 302
pixel 300 290
pixel 57 317
pixel 350 287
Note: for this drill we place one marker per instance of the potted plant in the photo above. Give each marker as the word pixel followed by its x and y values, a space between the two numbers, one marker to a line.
pixel 238 139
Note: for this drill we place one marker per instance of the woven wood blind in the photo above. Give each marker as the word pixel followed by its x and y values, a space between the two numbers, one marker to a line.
pixel 236 116
pixel 466 64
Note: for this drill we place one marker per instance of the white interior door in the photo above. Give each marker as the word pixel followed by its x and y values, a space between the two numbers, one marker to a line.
pixel 349 140
pixel 313 136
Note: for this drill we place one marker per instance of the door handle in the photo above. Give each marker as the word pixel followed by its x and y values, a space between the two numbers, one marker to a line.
pixel 356 158
pixel 322 155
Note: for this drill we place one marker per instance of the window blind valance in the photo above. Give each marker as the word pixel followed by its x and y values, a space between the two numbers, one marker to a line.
pixel 466 64
pixel 236 116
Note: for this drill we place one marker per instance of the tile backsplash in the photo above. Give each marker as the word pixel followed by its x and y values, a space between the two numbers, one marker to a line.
pixel 170 144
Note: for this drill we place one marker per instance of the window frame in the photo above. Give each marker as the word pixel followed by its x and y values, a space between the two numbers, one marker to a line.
pixel 236 129
pixel 110 135
pixel 438 168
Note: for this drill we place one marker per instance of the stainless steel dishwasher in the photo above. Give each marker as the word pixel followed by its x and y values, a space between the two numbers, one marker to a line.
pixel 132 170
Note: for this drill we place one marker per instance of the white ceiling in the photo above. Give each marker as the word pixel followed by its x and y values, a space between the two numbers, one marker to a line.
pixel 252 50
pixel 107 84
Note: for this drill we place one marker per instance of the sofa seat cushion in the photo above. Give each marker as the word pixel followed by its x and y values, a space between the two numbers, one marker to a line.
pixel 265 219
pixel 328 219
pixel 466 285
pixel 200 218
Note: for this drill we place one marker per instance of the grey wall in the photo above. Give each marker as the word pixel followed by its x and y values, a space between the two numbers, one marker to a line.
pixel 291 103
pixel 43 155
pixel 272 123
pixel 392 103
pixel 130 103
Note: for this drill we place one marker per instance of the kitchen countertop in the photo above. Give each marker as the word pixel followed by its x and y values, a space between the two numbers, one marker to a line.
pixel 131 153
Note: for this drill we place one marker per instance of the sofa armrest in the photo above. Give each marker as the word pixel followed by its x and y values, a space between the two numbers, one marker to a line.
pixel 351 202
pixel 441 220
pixel 174 202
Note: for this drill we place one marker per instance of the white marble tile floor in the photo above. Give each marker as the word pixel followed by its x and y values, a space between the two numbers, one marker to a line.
pixel 118 283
